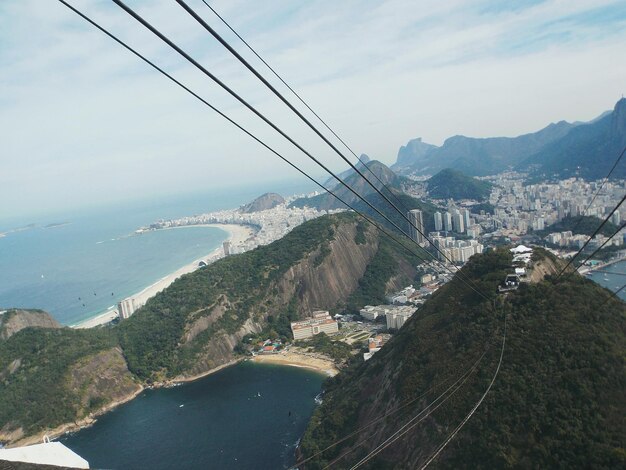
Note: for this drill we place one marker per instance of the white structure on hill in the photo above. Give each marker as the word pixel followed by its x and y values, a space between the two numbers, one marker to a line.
pixel 126 308
pixel 320 322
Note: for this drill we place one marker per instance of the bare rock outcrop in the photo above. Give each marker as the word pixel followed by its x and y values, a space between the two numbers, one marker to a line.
pixel 14 320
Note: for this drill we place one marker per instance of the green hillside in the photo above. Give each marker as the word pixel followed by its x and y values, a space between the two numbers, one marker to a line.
pixel 151 339
pixel 53 376
pixel 452 184
pixel 34 364
pixel 558 401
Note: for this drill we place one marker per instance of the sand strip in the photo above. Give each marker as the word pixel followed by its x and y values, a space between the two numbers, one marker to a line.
pixel 293 359
pixel 238 234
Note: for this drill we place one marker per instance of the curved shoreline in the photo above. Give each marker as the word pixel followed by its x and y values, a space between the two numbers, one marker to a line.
pixel 237 234
pixel 293 359
pixel 289 359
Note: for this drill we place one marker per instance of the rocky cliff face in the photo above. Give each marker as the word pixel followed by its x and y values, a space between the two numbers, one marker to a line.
pixel 15 320
pixel 319 281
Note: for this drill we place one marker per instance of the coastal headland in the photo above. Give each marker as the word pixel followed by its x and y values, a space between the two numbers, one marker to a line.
pixel 238 234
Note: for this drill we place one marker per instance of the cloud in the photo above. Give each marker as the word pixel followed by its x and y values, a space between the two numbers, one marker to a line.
pixel 85 122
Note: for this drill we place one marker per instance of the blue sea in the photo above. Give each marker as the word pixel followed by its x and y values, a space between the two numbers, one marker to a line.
pixel 613 277
pixel 77 264
pixel 249 416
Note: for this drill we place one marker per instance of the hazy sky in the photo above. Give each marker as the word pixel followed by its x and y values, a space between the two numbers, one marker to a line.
pixel 85 122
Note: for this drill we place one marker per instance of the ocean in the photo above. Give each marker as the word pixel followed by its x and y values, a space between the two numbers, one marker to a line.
pixel 248 416
pixel 613 277
pixel 77 264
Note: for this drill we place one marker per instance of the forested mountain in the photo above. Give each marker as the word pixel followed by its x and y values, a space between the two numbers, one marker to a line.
pixel 326 201
pixel 393 192
pixel 589 150
pixel 453 184
pixel 561 149
pixel 557 402
pixel 50 377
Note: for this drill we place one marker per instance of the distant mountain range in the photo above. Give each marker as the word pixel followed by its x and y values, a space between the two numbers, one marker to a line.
pixel 587 150
pixel 561 149
pixel 326 201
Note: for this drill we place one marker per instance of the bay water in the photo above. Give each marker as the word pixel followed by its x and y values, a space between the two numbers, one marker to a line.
pixel 248 416
pixel 613 277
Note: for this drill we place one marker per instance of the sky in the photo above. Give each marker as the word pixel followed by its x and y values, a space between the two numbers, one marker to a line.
pixel 84 122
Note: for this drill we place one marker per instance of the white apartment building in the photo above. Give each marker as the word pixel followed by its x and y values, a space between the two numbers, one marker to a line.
pixel 320 322
pixel 397 317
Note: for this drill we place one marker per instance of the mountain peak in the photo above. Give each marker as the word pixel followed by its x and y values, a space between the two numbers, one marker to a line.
pixel 618 123
pixel 264 202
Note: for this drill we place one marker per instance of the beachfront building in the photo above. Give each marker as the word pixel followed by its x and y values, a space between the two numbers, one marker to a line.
pixel 226 246
pixel 126 308
pixel 319 322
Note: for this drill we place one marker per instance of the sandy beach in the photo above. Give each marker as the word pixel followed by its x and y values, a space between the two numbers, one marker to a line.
pixel 296 359
pixel 238 234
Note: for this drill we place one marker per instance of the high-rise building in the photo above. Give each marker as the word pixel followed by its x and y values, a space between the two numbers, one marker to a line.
pixel 466 217
pixel 447 222
pixel 457 222
pixel 615 218
pixel 126 308
pixel 226 246
pixel 416 227
pixel 438 222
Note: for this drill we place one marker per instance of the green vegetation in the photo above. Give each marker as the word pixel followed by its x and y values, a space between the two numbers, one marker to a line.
pixel 323 344
pixel 385 265
pixel 237 285
pixel 452 184
pixel 584 225
pixel 34 364
pixel 359 237
pixel 180 330
pixel 558 401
